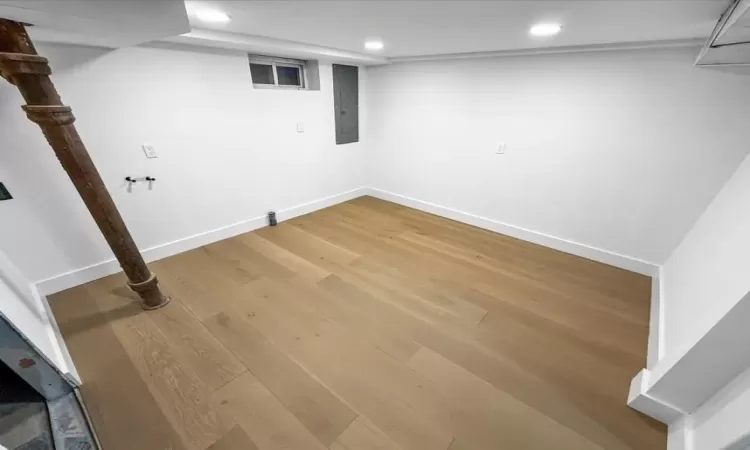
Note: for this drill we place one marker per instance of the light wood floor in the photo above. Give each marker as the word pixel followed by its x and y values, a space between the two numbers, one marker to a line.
pixel 366 326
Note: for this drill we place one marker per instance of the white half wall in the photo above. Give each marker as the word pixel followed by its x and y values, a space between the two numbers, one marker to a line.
pixel 614 152
pixel 705 298
pixel 227 154
pixel 710 270
pixel 704 279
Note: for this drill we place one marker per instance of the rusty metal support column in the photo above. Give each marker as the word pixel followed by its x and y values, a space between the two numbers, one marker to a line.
pixel 22 66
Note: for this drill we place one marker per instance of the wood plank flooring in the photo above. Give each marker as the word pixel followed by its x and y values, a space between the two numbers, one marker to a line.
pixel 366 326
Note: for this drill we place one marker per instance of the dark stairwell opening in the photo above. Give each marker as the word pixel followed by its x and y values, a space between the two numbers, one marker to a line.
pixel 24 419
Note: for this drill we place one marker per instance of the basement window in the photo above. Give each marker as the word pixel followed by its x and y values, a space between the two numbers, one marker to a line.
pixel 277 73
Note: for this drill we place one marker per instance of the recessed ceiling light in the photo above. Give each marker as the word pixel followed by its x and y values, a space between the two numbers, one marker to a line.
pixel 545 29
pixel 211 15
pixel 374 44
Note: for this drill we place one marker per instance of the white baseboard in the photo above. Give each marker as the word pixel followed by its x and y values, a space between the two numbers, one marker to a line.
pixel 86 274
pixel 575 248
pixel 640 400
pixel 656 321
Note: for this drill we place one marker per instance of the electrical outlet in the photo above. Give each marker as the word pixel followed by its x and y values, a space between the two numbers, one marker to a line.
pixel 150 151
pixel 500 150
pixel 300 127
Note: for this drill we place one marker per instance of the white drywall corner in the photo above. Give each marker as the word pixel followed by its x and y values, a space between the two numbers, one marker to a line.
pixel 708 273
pixel 640 400
pixel 21 303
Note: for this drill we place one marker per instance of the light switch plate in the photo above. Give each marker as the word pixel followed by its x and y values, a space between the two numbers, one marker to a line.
pixel 500 150
pixel 300 127
pixel 150 151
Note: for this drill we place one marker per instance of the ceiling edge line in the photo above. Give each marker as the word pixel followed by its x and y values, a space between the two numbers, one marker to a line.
pixel 673 43
pixel 200 37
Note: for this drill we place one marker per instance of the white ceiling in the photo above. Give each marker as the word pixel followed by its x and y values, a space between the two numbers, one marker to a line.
pixel 424 27
pixel 99 22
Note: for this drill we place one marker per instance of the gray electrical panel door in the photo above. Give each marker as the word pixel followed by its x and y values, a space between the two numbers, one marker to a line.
pixel 346 103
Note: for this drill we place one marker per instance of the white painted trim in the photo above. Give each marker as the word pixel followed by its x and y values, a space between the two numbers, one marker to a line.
pixel 680 436
pixel 575 248
pixel 62 355
pixel 271 46
pixel 675 43
pixel 656 321
pixel 84 275
pixel 661 349
pixel 640 400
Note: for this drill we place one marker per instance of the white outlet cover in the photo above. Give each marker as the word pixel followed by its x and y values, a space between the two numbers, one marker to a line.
pixel 501 148
pixel 300 127
pixel 149 151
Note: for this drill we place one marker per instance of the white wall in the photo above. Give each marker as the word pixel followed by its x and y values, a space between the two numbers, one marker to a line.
pixel 21 304
pixel 721 423
pixel 227 152
pixel 619 150
pixel 710 271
